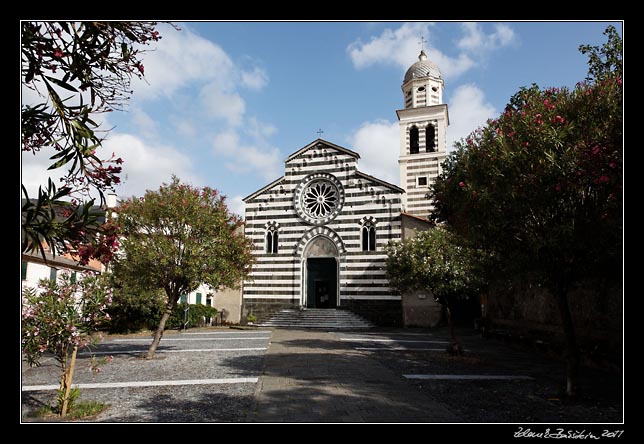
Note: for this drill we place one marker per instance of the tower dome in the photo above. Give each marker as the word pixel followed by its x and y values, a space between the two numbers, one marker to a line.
pixel 422 68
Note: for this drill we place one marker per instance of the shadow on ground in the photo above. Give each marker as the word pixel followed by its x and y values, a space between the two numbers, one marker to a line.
pixel 317 378
pixel 173 407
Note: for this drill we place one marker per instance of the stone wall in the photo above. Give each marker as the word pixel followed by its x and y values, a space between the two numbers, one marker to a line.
pixel 229 301
pixel 421 310
pixel 528 312
pixel 412 225
pixel 263 309
pixel 383 313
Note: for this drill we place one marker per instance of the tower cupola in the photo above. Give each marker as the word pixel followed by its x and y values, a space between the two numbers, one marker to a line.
pixel 423 83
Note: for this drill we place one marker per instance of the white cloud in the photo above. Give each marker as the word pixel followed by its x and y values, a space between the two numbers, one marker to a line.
pixel 185 127
pixel 225 142
pixel 147 166
pixel 259 158
pixel 40 95
pixel 34 171
pixel 255 79
pixel 476 40
pixel 236 205
pixel 260 130
pixel 400 47
pixel 228 106
pixel 179 59
pixel 378 143
pixel 32 97
pixel 183 59
pixel 450 67
pixel 467 110
pixel 146 125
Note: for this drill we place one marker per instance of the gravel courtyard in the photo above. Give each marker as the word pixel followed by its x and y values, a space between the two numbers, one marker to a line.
pixel 379 375
pixel 209 389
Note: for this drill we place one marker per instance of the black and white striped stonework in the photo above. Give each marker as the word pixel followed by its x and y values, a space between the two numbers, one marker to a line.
pixel 422 151
pixel 417 201
pixel 279 276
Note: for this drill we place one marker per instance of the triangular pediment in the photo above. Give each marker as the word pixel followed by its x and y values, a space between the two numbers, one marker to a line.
pixel 375 180
pixel 261 190
pixel 322 145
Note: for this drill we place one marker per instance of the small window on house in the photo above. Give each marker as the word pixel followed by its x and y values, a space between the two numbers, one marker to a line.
pixel 368 237
pixel 184 298
pixel 209 302
pixel 421 89
pixel 272 241
pixel 72 277
pixel 430 135
pixel 24 270
pixel 52 273
pixel 421 181
pixel 198 298
pixel 435 89
pixel 413 140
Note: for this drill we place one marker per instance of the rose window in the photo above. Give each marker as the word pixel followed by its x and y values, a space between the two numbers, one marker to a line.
pixel 319 198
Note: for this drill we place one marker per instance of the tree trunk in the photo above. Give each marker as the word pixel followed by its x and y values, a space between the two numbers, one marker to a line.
pixel 157 336
pixel 454 346
pixel 68 375
pixel 571 352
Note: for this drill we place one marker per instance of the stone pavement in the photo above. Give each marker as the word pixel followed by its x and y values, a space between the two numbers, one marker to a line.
pixel 311 376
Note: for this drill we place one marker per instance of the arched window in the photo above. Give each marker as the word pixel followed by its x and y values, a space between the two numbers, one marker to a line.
pixel 368 237
pixel 430 135
pixel 272 241
pixel 413 140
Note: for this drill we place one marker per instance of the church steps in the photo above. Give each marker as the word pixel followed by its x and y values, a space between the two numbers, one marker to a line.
pixel 317 318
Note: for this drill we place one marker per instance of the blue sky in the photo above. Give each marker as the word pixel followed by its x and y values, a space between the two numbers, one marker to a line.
pixel 226 102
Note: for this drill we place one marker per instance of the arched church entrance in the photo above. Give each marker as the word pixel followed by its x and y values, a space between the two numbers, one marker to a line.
pixel 320 260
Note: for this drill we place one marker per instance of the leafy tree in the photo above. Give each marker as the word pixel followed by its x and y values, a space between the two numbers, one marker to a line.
pixel 79 69
pixel 437 262
pixel 196 315
pixel 60 317
pixel 176 238
pixel 606 61
pixel 541 186
pixel 135 308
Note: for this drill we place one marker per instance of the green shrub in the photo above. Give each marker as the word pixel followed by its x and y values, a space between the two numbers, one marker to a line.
pixel 134 310
pixel 196 315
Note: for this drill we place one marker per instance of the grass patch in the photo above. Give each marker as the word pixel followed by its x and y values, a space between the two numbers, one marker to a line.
pixel 79 410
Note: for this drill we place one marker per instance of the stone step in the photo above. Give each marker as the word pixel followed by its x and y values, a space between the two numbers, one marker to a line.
pixel 316 318
pixel 298 321
pixel 332 318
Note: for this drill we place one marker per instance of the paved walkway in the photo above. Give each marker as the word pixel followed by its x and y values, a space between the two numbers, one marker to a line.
pixel 311 376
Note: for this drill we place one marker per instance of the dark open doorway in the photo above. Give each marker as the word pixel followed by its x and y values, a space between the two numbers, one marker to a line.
pixel 322 282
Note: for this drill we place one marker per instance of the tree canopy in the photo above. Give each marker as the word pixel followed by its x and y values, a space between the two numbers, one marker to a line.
pixel 541 186
pixel 438 262
pixel 79 70
pixel 434 261
pixel 177 238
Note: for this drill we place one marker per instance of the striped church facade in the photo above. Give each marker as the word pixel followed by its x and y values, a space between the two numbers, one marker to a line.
pixel 319 234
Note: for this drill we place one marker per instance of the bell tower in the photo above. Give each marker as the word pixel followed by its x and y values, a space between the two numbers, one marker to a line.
pixel 423 124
